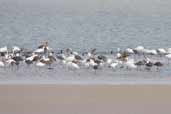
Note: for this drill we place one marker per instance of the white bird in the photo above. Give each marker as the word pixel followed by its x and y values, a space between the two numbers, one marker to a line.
pixel 118 55
pixel 130 51
pixel 151 52
pixel 146 51
pixel 168 57
pixel 101 64
pixel 86 65
pixel 31 58
pixel 89 54
pixel 10 61
pixel 16 49
pixel 2 64
pixel 118 50
pixel 109 61
pixel 7 56
pixel 148 60
pixel 84 61
pixel 63 56
pixel 49 49
pixel 139 49
pixel 45 59
pixel 17 55
pixel 169 50
pixel 64 62
pixel 40 64
pixel 70 58
pixel 39 51
pixel 161 51
pixel 75 53
pixel 92 63
pixel 131 64
pixel 119 62
pixel 4 49
pixel 114 65
pixel 72 65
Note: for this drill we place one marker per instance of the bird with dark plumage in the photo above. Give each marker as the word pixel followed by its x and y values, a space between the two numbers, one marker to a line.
pixel 95 67
pixel 158 64
pixel 18 58
pixel 149 65
pixel 140 64
pixel 102 57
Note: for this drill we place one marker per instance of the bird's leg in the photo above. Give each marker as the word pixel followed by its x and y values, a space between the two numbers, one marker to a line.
pixel 17 67
pixel 127 68
pixel 157 69
pixel 137 68
pixel 95 72
pixel 168 61
pixel 12 66
pixel 50 68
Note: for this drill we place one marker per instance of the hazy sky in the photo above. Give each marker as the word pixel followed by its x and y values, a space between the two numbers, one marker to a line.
pixel 142 7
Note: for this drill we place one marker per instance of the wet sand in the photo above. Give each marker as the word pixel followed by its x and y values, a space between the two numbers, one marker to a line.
pixel 85 99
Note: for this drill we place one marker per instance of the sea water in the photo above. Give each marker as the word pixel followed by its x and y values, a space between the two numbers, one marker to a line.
pixel 27 27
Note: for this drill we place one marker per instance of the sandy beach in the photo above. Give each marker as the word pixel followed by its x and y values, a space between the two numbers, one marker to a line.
pixel 85 99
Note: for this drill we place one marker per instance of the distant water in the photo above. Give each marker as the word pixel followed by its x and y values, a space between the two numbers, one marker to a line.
pixel 27 27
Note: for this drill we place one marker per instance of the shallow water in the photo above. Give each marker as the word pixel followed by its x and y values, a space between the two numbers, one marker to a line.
pixel 27 27
pixel 61 74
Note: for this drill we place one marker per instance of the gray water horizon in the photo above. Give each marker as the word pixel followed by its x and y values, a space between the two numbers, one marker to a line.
pixel 28 27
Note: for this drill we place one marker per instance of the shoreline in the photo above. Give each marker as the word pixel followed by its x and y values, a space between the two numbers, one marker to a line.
pixel 87 82
pixel 85 99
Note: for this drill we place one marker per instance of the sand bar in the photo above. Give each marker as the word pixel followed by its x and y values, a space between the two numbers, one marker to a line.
pixel 85 99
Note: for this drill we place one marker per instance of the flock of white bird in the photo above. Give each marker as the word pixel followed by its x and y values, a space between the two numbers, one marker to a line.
pixel 131 58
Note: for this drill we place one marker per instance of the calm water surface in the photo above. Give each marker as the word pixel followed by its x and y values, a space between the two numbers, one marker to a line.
pixel 27 27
